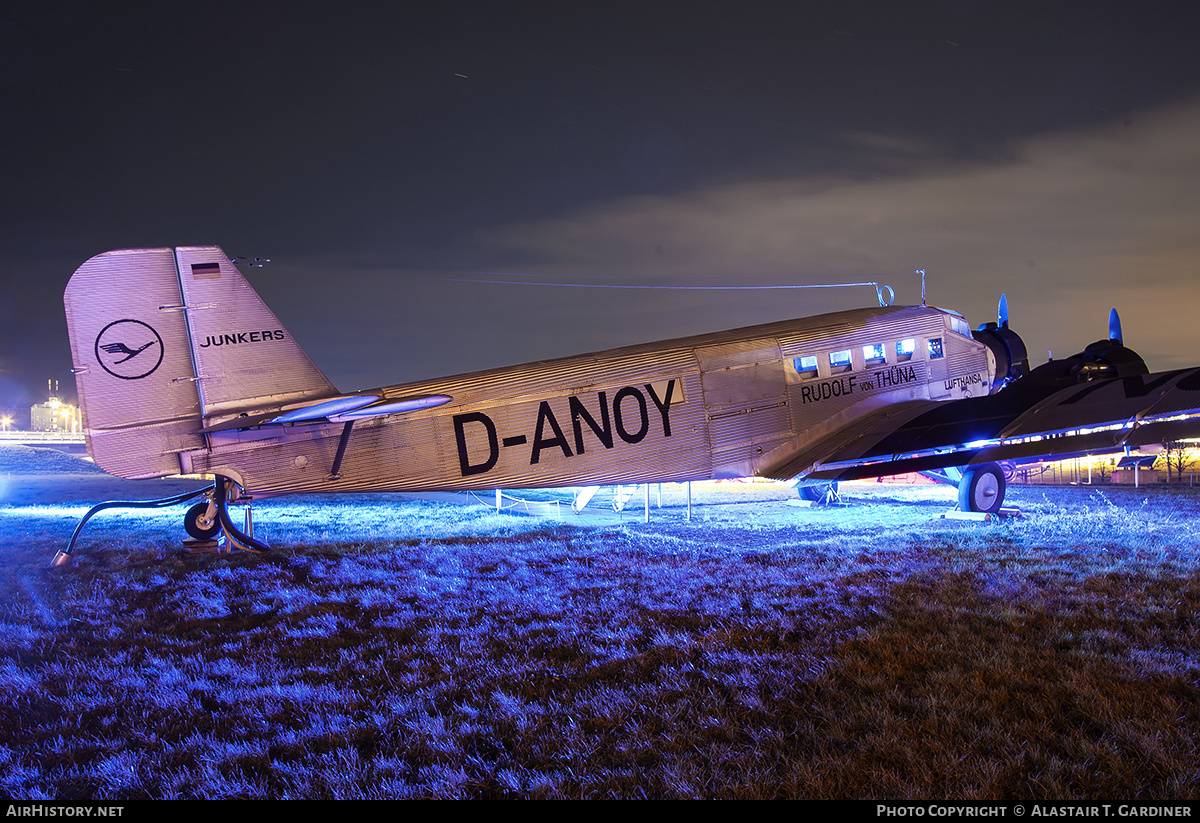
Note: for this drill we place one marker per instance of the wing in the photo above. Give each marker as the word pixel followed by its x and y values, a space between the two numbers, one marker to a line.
pixel 1055 411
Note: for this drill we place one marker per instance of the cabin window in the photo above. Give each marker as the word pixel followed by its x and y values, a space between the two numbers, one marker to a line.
pixel 839 362
pixel 905 349
pixel 935 348
pixel 806 367
pixel 874 354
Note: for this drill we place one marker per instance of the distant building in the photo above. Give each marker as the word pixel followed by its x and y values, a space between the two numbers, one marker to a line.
pixel 54 415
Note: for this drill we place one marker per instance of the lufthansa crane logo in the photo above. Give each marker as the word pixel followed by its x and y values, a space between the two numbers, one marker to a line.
pixel 129 349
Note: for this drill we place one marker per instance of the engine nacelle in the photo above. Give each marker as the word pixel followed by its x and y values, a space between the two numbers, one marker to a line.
pixel 1012 360
pixel 1102 360
pixel 1105 359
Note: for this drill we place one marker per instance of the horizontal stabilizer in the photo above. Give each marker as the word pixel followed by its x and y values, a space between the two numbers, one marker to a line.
pixel 326 408
pixel 396 405
pixel 359 407
pixel 335 410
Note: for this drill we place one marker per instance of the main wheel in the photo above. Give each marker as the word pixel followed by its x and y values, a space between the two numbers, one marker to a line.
pixel 196 524
pixel 981 489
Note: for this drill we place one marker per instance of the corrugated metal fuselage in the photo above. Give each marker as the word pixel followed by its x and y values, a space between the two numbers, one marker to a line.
pixel 731 404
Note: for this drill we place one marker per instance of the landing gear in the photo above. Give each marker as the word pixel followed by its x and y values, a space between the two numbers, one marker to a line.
pixel 201 523
pixel 819 495
pixel 981 489
pixel 224 490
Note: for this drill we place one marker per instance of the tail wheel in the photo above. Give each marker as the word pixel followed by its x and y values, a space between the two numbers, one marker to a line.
pixel 982 489
pixel 198 524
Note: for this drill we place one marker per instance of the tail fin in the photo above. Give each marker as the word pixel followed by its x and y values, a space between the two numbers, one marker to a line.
pixel 164 341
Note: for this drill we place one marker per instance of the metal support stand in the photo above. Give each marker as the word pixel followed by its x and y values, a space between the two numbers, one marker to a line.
pixel 981 517
pixel 235 539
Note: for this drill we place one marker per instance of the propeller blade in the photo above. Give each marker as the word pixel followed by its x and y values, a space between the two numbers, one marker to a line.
pixel 1114 326
pixel 1002 312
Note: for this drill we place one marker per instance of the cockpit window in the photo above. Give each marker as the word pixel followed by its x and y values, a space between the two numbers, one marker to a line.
pixel 935 348
pixel 959 324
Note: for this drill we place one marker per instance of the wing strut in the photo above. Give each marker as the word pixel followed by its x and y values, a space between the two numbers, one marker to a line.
pixel 335 472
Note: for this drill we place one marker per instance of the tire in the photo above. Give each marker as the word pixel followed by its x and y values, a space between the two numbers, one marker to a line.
pixel 817 495
pixel 196 526
pixel 982 489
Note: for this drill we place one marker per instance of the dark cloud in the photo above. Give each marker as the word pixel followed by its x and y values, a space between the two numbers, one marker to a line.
pixel 377 151
pixel 1068 224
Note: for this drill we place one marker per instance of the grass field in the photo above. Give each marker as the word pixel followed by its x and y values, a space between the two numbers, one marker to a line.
pixel 390 647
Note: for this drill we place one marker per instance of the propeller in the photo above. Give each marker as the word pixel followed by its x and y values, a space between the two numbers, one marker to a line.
pixel 1007 346
pixel 1114 327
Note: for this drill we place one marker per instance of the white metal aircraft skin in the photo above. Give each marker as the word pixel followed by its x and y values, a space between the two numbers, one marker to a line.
pixel 181 368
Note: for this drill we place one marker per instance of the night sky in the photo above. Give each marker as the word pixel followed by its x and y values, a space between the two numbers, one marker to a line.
pixel 384 155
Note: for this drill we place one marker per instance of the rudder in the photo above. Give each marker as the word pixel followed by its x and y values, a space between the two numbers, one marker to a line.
pixel 246 361
pixel 143 326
